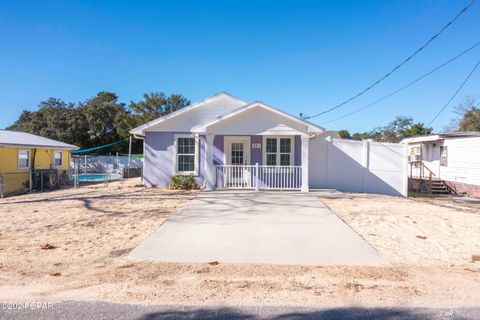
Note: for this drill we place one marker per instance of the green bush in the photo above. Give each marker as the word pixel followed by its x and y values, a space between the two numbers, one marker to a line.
pixel 177 181
pixel 183 182
pixel 189 183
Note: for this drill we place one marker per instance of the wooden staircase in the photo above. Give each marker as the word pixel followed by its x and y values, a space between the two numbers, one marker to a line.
pixel 434 184
pixel 439 187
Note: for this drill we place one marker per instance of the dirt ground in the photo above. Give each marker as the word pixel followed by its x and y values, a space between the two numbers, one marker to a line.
pixel 415 231
pixel 73 245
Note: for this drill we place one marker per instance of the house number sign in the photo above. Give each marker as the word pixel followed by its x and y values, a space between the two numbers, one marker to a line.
pixel 256 145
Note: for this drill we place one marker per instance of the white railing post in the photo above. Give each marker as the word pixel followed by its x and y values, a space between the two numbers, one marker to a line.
pixel 257 179
pixel 305 140
pixel 209 176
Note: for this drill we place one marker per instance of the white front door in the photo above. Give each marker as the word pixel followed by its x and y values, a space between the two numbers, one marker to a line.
pixel 237 155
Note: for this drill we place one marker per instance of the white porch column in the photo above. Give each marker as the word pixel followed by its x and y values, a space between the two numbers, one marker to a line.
pixel 305 140
pixel 209 170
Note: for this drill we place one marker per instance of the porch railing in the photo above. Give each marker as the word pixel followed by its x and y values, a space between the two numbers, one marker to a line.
pixel 419 170
pixel 258 177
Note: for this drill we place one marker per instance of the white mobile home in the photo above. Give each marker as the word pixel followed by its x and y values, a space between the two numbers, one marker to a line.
pixel 450 162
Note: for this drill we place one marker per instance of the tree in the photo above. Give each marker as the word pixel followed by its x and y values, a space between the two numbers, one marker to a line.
pixel 344 134
pixel 55 119
pixel 397 130
pixel 468 113
pixel 153 106
pixel 99 120
pixel 100 113
pixel 417 129
pixel 471 120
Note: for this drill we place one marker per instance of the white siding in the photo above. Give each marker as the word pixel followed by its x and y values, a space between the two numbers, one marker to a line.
pixel 254 121
pixel 357 166
pixel 463 161
pixel 205 112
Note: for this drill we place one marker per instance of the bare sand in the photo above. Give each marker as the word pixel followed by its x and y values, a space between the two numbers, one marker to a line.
pixel 416 231
pixel 73 245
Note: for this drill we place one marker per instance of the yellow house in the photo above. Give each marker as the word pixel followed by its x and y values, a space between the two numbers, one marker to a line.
pixel 22 153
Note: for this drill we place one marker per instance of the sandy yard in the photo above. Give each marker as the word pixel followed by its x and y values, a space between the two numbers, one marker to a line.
pixel 414 231
pixel 73 245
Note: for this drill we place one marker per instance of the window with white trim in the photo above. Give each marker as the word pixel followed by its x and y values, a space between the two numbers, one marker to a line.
pixel 58 158
pixel 271 152
pixel 278 151
pixel 186 155
pixel 285 151
pixel 443 156
pixel 23 159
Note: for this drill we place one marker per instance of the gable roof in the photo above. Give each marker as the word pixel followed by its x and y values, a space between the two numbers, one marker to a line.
pixel 312 128
pixel 10 138
pixel 140 130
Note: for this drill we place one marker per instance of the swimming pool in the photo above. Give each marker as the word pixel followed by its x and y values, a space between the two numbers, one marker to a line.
pixel 97 177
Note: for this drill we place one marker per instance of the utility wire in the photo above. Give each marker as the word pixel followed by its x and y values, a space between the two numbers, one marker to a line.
pixel 455 94
pixel 405 86
pixel 396 67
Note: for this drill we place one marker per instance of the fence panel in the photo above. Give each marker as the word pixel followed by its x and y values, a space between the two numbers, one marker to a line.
pixel 358 166
pixel 88 168
pixel 14 182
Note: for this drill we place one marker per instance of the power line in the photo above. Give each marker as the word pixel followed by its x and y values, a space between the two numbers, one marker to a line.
pixel 455 94
pixel 405 86
pixel 396 67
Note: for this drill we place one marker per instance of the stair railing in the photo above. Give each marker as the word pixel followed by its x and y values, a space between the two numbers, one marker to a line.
pixel 421 173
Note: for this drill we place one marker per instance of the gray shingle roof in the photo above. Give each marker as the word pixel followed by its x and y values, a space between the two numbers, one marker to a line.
pixel 22 139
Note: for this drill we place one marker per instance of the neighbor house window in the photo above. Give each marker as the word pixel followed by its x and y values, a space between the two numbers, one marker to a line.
pixel 279 151
pixel 443 156
pixel 58 159
pixel 23 159
pixel 186 155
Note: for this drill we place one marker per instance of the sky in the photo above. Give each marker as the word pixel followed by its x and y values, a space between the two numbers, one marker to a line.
pixel 299 56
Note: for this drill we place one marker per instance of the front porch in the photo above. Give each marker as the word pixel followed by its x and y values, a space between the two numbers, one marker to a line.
pixel 258 177
pixel 256 147
pixel 256 162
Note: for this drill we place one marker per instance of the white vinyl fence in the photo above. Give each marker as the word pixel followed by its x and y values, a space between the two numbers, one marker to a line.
pixel 358 166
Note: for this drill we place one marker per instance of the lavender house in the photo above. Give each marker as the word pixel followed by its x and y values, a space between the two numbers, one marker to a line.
pixel 226 142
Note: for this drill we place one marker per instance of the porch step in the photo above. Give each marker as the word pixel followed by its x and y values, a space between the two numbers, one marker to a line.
pixel 439 187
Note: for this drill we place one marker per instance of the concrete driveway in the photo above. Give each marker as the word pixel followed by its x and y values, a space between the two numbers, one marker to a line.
pixel 257 227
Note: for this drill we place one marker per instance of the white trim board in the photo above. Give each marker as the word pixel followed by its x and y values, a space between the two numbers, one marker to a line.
pixel 202 128
pixel 139 130
pixel 227 143
pixel 196 158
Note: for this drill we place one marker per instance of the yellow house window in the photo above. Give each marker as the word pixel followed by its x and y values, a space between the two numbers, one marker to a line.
pixel 58 159
pixel 23 159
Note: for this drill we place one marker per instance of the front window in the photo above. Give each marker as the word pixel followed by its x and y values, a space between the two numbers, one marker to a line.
pixel 285 151
pixel 58 159
pixel 23 159
pixel 186 155
pixel 443 156
pixel 271 152
pixel 278 151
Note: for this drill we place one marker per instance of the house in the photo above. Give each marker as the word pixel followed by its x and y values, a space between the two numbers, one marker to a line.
pixel 226 142
pixel 445 163
pixel 22 153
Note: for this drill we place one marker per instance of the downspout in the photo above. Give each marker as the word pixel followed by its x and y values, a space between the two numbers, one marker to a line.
pixel 136 136
pixel 32 167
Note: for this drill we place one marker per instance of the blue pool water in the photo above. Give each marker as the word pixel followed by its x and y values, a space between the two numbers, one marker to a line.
pixel 97 177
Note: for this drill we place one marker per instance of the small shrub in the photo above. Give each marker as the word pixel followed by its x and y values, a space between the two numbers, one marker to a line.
pixel 189 183
pixel 177 182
